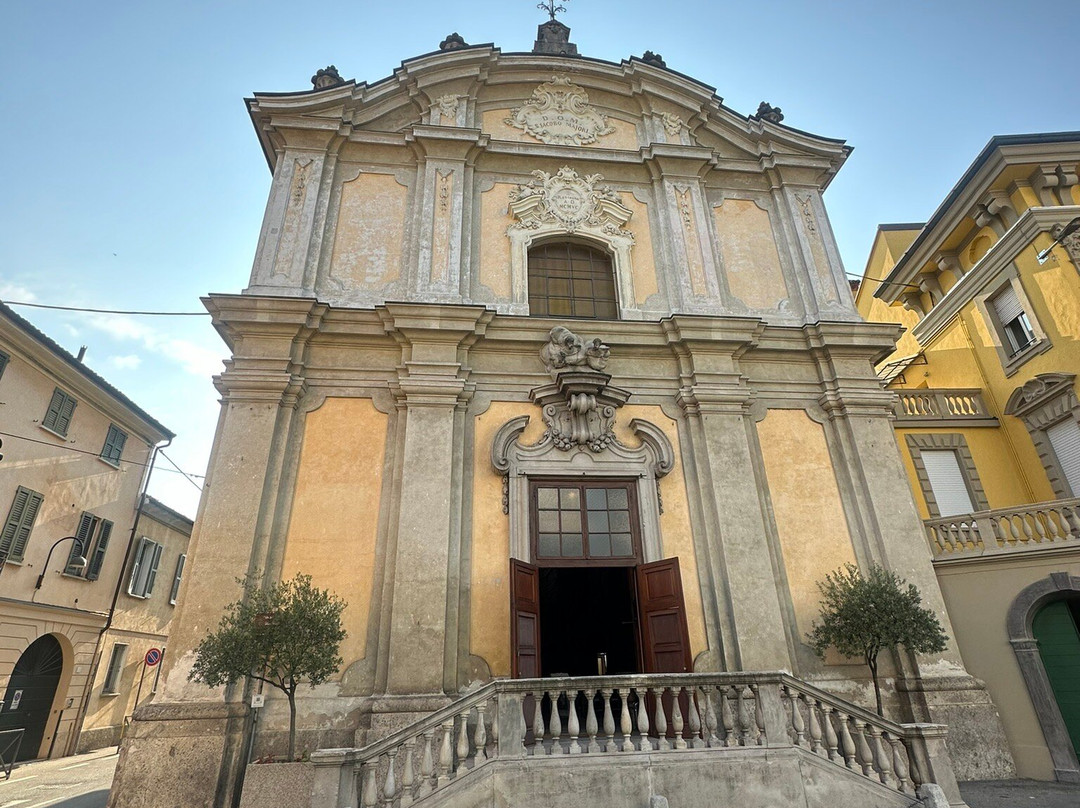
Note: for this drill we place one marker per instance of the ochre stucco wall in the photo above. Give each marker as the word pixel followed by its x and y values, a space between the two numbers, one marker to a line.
pixel 806 506
pixel 494 243
pixel 641 255
pixel 370 231
pixel 335 510
pixel 751 261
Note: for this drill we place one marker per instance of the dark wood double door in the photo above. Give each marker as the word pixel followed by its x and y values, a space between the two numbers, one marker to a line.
pixel 563 619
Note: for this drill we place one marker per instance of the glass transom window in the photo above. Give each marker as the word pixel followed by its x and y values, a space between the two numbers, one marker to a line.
pixel 585 521
pixel 571 280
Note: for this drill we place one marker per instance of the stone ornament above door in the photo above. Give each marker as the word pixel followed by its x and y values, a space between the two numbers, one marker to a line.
pixel 559 114
pixel 570 202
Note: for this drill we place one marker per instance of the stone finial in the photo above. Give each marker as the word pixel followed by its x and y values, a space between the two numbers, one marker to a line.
pixel 453 42
pixel 553 39
pixel 327 77
pixel 653 59
pixel 565 349
pixel 767 112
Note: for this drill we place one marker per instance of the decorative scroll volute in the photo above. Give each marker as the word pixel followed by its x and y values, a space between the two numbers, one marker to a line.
pixel 559 113
pixel 571 202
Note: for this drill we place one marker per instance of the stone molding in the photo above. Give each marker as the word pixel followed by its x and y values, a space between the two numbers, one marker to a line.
pixel 559 114
pixel 956 442
pixel 1019 622
pixel 1041 402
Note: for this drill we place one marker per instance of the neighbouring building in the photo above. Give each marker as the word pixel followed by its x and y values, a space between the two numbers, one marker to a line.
pixel 140 625
pixel 988 424
pixel 548 365
pixel 76 452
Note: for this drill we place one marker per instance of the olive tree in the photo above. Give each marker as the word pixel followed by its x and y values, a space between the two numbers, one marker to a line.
pixel 861 615
pixel 282 635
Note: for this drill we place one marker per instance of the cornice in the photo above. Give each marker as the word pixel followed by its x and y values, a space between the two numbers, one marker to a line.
pixel 1031 223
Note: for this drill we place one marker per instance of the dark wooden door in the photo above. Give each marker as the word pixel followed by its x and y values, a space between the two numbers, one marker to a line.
pixel 29 697
pixel 1057 628
pixel 524 619
pixel 665 640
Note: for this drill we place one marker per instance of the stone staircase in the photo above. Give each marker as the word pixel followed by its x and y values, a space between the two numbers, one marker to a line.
pixel 756 740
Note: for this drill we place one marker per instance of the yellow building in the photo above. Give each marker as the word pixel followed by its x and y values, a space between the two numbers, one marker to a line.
pixel 988 424
pixel 548 366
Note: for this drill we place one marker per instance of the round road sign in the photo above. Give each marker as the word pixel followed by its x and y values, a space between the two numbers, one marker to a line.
pixel 153 656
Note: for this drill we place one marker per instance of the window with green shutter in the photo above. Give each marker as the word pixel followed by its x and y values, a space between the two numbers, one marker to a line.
pixel 144 568
pixel 58 416
pixel 20 521
pixel 3 363
pixel 113 449
pixel 90 528
pixel 84 534
pixel 93 568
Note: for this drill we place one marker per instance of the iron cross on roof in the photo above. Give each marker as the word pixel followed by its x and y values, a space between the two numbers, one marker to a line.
pixel 550 8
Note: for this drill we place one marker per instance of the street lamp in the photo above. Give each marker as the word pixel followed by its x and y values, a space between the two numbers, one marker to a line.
pixel 79 562
pixel 1070 227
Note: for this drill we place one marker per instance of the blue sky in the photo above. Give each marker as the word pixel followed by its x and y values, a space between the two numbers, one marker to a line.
pixel 132 178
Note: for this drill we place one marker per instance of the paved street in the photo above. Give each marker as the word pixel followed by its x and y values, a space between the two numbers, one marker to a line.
pixel 81 781
pixel 1020 793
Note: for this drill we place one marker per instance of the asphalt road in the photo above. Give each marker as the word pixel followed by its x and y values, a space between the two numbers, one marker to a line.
pixel 81 781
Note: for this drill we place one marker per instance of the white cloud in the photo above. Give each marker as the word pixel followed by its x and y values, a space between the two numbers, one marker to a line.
pixel 16 292
pixel 192 357
pixel 128 362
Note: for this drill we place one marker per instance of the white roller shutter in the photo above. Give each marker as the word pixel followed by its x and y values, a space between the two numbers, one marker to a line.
pixel 1007 306
pixel 1065 440
pixel 947 482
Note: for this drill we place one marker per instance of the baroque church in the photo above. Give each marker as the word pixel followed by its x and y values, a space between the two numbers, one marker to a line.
pixel 549 367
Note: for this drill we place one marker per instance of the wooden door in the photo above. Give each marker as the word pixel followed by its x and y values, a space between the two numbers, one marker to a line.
pixel 1057 628
pixel 524 619
pixel 665 640
pixel 30 692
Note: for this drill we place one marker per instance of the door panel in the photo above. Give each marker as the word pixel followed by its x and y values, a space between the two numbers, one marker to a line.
pixel 665 640
pixel 30 692
pixel 1058 634
pixel 524 619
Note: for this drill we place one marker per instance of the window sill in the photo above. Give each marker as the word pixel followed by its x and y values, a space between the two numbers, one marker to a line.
pixel 1017 360
pixel 110 692
pixel 109 463
pixel 51 431
pixel 76 577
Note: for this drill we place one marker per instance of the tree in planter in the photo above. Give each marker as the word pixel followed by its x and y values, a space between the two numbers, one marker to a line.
pixel 860 616
pixel 282 635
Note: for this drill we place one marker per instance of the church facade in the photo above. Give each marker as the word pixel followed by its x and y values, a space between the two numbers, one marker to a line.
pixel 549 367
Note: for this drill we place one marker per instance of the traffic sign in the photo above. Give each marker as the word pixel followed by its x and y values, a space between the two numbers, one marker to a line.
pixel 153 656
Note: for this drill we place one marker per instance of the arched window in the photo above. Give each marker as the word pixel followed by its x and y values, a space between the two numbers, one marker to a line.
pixel 567 279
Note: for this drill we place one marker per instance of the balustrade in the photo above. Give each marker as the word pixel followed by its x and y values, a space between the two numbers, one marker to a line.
pixel 942 404
pixel 619 715
pixel 1005 530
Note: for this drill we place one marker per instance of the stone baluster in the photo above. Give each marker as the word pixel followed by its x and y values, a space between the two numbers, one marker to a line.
pixel 555 725
pixel 866 756
pixel 370 796
pixel 830 731
pixel 693 718
pixel 710 717
pixel 815 726
pixel 726 717
pixel 408 778
pixel 797 726
pixel 625 726
pixel 538 723
pixel 1071 515
pixel 573 727
pixel 463 737
pixel 643 720
pixel 495 729
pixel 759 716
pixel 882 757
pixel 847 744
pixel 480 733
pixel 744 716
pixel 427 764
pixel 609 722
pixel 659 719
pixel 446 753
pixel 590 720
pixel 900 765
pixel 389 791
pixel 677 717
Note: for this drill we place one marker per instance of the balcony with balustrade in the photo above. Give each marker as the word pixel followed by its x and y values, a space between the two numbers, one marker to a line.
pixel 946 406
pixel 1042 526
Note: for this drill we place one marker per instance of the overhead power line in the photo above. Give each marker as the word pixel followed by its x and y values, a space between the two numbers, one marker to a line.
pixel 110 311
pixel 187 476
pixel 52 445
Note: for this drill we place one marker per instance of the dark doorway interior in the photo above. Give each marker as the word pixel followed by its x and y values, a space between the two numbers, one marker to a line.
pixel 30 691
pixel 585 611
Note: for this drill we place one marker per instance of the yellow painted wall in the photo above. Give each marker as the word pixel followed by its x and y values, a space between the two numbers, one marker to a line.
pixel 335 510
pixel 493 122
pixel 751 261
pixel 642 257
pixel 494 243
pixel 370 231
pixel 806 504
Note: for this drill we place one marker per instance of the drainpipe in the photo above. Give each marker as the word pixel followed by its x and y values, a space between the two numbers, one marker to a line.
pixel 85 702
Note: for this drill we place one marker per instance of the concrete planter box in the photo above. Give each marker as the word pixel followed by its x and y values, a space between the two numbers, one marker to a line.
pixel 277 785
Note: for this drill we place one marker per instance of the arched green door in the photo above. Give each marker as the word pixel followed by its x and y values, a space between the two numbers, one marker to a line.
pixel 29 697
pixel 1057 629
